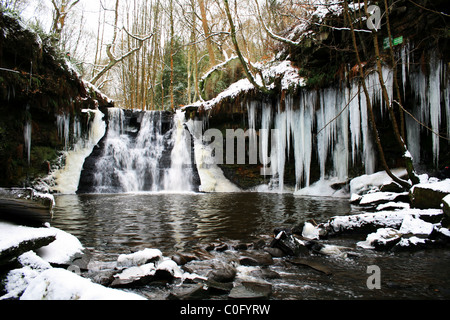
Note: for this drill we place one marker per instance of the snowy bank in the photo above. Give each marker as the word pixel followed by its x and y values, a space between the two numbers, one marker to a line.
pixel 60 284
pixel 37 279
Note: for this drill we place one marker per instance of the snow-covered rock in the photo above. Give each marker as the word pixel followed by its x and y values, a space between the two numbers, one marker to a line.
pixel 380 238
pixel 63 249
pixel 362 184
pixel 370 222
pixel 139 258
pixel 60 284
pixel 430 194
pixel 17 280
pixel 380 197
pixel 446 205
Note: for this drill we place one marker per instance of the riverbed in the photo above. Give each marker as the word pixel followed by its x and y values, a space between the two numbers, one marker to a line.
pixel 113 224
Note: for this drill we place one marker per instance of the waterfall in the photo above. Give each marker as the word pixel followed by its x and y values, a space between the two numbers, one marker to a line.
pixel 142 151
pixel 67 178
pixel 179 177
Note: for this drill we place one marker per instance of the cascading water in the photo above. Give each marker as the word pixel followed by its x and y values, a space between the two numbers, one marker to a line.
pixel 67 178
pixel 142 152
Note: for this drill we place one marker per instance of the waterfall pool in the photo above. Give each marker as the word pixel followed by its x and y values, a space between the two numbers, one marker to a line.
pixel 112 224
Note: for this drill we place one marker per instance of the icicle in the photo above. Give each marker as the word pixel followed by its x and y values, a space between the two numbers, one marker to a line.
pixel 27 130
pixel 434 94
pixel 369 159
pixel 63 124
pixel 341 152
pixel 264 138
pixel 355 119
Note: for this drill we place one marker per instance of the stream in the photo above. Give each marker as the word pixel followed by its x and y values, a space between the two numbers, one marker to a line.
pixel 112 224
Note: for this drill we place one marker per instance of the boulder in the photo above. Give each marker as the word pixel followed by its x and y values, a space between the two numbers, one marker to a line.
pixel 311 264
pixel 429 195
pixel 251 290
pixel 254 258
pixel 289 245
pixel 446 205
pixel 16 240
pixel 223 273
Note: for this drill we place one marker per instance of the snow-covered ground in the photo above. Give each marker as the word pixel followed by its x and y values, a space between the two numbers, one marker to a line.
pixel 38 280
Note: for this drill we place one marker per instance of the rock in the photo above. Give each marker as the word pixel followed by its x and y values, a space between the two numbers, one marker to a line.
pixel 251 290
pixel 429 195
pixel 25 212
pixel 290 245
pixel 182 258
pixel 377 198
pixel 241 246
pixel 253 258
pixel 222 247
pixel 225 273
pixel 275 252
pixel 446 206
pixel 311 264
pixel 392 187
pixel 188 292
pixel 139 258
pixel 16 240
pixel 269 274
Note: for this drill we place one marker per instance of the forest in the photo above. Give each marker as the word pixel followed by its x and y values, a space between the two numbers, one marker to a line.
pixel 153 55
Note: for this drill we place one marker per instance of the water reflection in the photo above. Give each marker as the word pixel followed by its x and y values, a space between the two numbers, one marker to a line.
pixel 120 222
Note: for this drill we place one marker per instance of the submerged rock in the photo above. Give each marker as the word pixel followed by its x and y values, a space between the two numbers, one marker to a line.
pixel 251 290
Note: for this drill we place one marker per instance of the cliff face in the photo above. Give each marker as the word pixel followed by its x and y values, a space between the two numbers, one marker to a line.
pixel 41 99
pixel 327 101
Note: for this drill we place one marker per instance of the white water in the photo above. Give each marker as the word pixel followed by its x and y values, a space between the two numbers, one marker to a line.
pixel 179 177
pixel 67 178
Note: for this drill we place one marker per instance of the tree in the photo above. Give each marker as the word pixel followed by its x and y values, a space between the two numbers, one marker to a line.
pixel 113 60
pixel 61 8
pixel 244 62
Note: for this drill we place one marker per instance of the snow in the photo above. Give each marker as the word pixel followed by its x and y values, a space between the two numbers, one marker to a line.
pixel 375 197
pixel 397 205
pixel 60 251
pixel 410 225
pixel 60 284
pixel 441 186
pixel 139 258
pixel 18 280
pixel 415 226
pixel 365 182
pixel 391 219
pixel 137 272
pixel 446 200
pixel 12 235
pixel 381 235
pixel 310 231
pixel 322 188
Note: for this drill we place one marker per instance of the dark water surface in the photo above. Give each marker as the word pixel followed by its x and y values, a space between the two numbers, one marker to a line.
pixel 109 225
